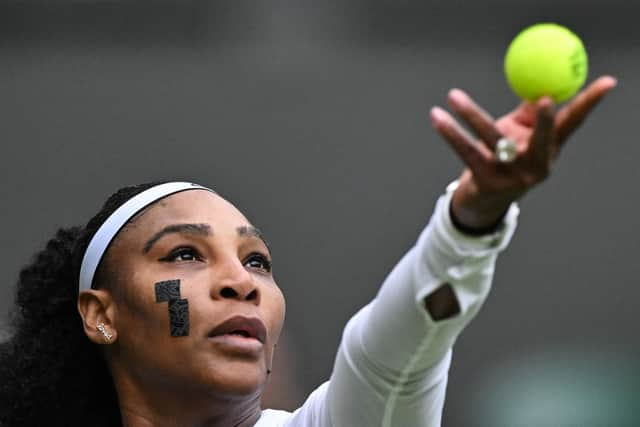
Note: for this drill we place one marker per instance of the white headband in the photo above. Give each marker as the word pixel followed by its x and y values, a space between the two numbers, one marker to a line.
pixel 108 230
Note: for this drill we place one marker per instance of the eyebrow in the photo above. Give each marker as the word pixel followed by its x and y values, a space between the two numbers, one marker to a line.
pixel 250 231
pixel 197 229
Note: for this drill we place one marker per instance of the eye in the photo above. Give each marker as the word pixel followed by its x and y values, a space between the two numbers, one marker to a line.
pixel 183 254
pixel 258 261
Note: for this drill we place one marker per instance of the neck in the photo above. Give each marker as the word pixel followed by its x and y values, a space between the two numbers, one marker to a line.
pixel 142 417
pixel 157 405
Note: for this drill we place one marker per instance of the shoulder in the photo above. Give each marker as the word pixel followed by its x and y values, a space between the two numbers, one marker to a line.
pixel 312 413
pixel 273 418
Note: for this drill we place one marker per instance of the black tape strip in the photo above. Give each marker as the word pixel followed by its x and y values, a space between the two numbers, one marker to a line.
pixel 169 291
pixel 179 317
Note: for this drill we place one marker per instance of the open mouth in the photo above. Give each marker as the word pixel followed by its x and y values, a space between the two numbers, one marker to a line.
pixel 240 326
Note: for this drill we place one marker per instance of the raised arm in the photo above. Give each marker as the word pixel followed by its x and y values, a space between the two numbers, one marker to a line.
pixel 392 365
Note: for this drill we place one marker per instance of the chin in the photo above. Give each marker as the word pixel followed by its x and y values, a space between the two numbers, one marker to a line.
pixel 238 378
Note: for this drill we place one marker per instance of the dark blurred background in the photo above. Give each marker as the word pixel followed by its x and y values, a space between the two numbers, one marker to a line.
pixel 312 118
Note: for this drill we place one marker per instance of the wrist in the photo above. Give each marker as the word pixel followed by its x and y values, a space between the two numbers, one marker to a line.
pixel 475 212
pixel 479 228
pixel 473 240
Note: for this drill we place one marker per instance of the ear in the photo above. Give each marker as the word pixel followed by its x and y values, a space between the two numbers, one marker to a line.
pixel 96 307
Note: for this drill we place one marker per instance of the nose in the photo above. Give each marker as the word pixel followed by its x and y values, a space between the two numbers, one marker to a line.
pixel 234 282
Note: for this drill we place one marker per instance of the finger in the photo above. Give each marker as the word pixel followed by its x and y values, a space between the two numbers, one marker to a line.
pixel 475 156
pixel 574 113
pixel 541 141
pixel 525 114
pixel 480 121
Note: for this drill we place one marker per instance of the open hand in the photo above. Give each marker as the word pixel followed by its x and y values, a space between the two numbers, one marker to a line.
pixel 487 186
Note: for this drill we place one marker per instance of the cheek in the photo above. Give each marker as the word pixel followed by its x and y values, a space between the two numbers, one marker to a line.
pixel 276 308
pixel 154 309
pixel 156 327
pixel 177 307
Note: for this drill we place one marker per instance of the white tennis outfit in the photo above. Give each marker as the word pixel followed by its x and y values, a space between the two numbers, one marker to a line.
pixel 392 365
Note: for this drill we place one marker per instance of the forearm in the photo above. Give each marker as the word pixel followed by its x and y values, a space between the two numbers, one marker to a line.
pixel 394 355
pixel 398 318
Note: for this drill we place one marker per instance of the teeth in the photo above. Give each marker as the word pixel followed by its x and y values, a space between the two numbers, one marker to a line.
pixel 241 333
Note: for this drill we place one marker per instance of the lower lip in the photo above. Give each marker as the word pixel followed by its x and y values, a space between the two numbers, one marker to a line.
pixel 238 344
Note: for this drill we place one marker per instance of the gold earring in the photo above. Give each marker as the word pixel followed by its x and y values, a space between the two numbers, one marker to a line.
pixel 108 336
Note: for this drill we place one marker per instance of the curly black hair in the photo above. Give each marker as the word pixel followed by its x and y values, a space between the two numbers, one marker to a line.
pixel 50 372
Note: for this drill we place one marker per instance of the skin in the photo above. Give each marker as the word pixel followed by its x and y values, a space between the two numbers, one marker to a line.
pixel 191 380
pixel 487 187
pixel 163 380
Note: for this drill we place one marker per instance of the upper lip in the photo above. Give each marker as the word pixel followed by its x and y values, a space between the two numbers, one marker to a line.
pixel 252 326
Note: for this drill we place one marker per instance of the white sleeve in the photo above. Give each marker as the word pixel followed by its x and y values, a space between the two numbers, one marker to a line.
pixel 392 365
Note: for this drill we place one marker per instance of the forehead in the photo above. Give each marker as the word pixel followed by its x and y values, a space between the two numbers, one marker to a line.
pixel 193 206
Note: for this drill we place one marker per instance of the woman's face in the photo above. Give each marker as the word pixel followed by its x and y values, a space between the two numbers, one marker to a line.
pixel 195 302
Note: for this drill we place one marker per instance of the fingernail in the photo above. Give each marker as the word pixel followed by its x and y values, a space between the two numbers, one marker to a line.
pixel 457 97
pixel 546 103
pixel 438 115
pixel 545 100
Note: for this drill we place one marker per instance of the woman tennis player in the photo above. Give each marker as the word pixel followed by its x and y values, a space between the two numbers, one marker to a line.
pixel 163 310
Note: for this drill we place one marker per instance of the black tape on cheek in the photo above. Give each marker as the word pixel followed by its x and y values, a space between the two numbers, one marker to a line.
pixel 179 317
pixel 169 291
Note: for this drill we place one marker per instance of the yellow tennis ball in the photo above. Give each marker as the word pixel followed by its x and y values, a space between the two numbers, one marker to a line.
pixel 546 59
